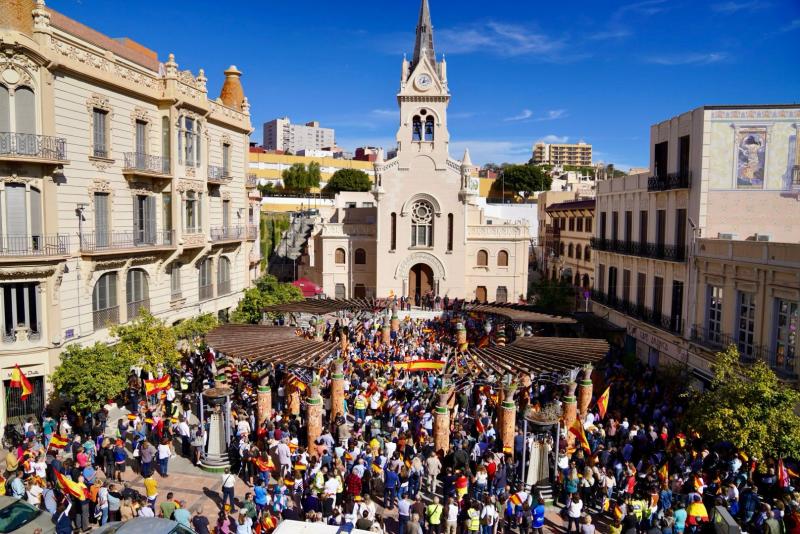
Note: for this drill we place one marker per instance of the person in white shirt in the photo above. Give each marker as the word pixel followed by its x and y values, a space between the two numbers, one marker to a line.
pixel 164 452
pixel 451 522
pixel 146 511
pixel 574 509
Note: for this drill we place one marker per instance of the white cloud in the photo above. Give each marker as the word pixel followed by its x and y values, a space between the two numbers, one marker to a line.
pixel 499 38
pixel 526 114
pixel 482 151
pixel 734 7
pixel 793 25
pixel 689 58
pixel 385 112
pixel 553 114
pixel 552 138
pixel 646 8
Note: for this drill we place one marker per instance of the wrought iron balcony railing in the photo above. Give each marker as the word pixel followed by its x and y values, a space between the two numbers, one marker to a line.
pixel 252 232
pixel 219 175
pixel 105 317
pixel 678 180
pixel 223 287
pixel 206 292
pixel 659 251
pixel 23 145
pixel 228 233
pixel 135 308
pixel 110 241
pixel 34 245
pixel 252 181
pixel 145 163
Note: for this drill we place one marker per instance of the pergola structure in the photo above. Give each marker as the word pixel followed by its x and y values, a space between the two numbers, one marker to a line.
pixel 520 313
pixel 325 306
pixel 275 344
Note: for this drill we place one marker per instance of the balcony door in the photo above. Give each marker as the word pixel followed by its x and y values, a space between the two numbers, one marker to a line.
pixel 677 306
pixel 144 220
pixel 226 214
pixel 141 144
pixel 101 225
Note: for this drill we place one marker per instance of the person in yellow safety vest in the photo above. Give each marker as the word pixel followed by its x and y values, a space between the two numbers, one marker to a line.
pixel 184 383
pixel 473 520
pixel 360 406
pixel 637 508
pixel 319 480
pixel 433 513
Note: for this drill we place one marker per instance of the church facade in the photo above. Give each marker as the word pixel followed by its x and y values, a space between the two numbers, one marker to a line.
pixel 420 230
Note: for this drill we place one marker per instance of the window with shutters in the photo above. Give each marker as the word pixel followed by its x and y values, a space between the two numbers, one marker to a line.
pixel 141 139
pixel 137 293
pixel 21 220
pixel 21 309
pixel 483 259
pixel 166 151
pixel 18 125
pixel 102 228
pixel 204 281
pixel 144 220
pixel 175 281
pixel 100 133
pixel 502 259
pixel 502 295
pixel 105 310
pixel 223 276
pixel 192 221
pixel 226 159
pixel 339 256
pixel 226 214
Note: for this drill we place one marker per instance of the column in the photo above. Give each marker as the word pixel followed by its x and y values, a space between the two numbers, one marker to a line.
pixel 293 400
pixel 585 388
pixel 337 389
pixel 395 320
pixel 461 337
pixel 314 416
pixel 508 423
pixel 345 334
pixel 441 425
pixel 264 404
pixel 569 413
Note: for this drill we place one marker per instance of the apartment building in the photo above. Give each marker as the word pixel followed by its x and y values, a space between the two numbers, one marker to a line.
pixel 724 174
pixel 122 188
pixel 569 242
pixel 282 135
pixel 559 154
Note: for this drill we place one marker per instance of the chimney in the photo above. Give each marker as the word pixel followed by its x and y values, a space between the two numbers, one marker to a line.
pixel 232 94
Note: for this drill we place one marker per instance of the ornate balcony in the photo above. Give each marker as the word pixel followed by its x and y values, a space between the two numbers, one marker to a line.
pixel 658 251
pixel 222 234
pixel 671 181
pixel 38 246
pixel 104 243
pixel 137 164
pixel 252 232
pixel 251 182
pixel 219 175
pixel 33 148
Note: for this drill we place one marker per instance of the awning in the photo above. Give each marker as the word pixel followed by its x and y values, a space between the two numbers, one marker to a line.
pixel 309 288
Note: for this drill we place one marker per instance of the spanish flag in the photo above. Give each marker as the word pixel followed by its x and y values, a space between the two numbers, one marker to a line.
pixel 297 383
pixel 420 365
pixel 298 466
pixel 518 498
pixel 577 430
pixel 663 473
pixel 783 475
pixel 19 380
pixel 618 512
pixel 58 441
pixel 602 402
pixel 697 513
pixel 156 385
pixel 74 489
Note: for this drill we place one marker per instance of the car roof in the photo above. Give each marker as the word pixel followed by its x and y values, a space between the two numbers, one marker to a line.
pixel 151 525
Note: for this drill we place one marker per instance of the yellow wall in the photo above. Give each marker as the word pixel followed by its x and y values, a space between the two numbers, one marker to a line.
pixel 328 165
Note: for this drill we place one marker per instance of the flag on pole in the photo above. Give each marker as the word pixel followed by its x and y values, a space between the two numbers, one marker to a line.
pixel 577 430
pixel 75 489
pixel 602 402
pixel 156 385
pixel 19 380
pixel 783 475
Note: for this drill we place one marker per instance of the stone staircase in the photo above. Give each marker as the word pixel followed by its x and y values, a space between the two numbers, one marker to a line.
pixel 283 261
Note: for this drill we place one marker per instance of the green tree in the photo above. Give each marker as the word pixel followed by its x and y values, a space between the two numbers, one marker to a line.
pixel 524 179
pixel 268 291
pixel 147 341
pixel 313 175
pixel 748 406
pixel 89 376
pixel 193 329
pixel 556 295
pixel 348 180
pixel 295 178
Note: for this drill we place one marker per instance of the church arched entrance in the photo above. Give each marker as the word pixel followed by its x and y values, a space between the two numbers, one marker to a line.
pixel 420 282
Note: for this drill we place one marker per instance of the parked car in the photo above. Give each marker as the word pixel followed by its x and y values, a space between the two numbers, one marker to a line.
pixel 150 525
pixel 19 516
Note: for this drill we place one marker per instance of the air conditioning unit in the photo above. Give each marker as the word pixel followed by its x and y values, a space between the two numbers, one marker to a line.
pixel 762 237
pixel 726 236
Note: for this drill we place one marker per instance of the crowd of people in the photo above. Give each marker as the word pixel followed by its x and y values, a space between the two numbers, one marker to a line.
pixel 375 466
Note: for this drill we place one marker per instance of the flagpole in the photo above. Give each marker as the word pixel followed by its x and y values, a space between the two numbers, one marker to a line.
pixel 555 467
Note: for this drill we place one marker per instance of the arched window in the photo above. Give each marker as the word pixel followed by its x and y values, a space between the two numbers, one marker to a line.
pixel 205 284
pixel 502 259
pixel 25 111
pixel 429 128
pixel 223 276
pixel 578 253
pixel 483 258
pixel 393 231
pixel 449 232
pixel 421 224
pixel 570 250
pixel 360 256
pixel 339 256
pixel 502 294
pixel 105 310
pixel 587 254
pixel 416 129
pixel 138 293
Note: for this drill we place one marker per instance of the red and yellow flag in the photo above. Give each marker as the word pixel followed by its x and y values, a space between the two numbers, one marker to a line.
pixel 602 402
pixel 296 382
pixel 618 512
pixel 577 430
pixel 58 441
pixel 419 365
pixel 74 489
pixel 19 380
pixel 783 475
pixel 156 385
pixel 663 473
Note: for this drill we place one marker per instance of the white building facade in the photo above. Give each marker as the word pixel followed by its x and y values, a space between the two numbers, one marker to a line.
pixel 122 187
pixel 426 233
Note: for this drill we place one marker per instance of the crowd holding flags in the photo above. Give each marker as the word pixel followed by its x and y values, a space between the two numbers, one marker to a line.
pixel 19 380
pixel 577 430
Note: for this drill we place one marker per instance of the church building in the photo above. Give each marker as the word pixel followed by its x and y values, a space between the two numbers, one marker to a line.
pixel 420 230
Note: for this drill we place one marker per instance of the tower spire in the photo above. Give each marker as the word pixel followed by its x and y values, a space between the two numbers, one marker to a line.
pixel 424 43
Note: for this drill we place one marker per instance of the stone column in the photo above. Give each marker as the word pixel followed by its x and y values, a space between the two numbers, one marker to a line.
pixel 264 404
pixel 584 395
pixel 319 328
pixel 337 389
pixel 569 413
pixel 314 416
pixel 461 336
pixel 395 321
pixel 508 424
pixel 441 425
pixel 386 333
pixel 345 334
pixel 293 400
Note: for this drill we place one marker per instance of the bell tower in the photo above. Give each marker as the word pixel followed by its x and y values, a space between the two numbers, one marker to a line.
pixel 423 99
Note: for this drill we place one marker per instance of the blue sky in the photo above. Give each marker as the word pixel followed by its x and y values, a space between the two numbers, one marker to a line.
pixel 519 70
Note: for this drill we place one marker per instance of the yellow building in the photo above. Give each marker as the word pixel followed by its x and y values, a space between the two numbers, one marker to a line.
pixel 579 154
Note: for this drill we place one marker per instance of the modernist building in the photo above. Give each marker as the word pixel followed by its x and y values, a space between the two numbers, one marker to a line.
pixel 282 135
pixel 425 232
pixel 726 173
pixel 122 188
pixel 571 257
pixel 559 154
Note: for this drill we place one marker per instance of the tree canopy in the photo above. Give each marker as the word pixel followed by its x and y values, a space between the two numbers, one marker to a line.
pixel 147 341
pixel 348 180
pixel 521 179
pixel 300 178
pixel 557 295
pixel 193 329
pixel 91 390
pixel 749 407
pixel 268 291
